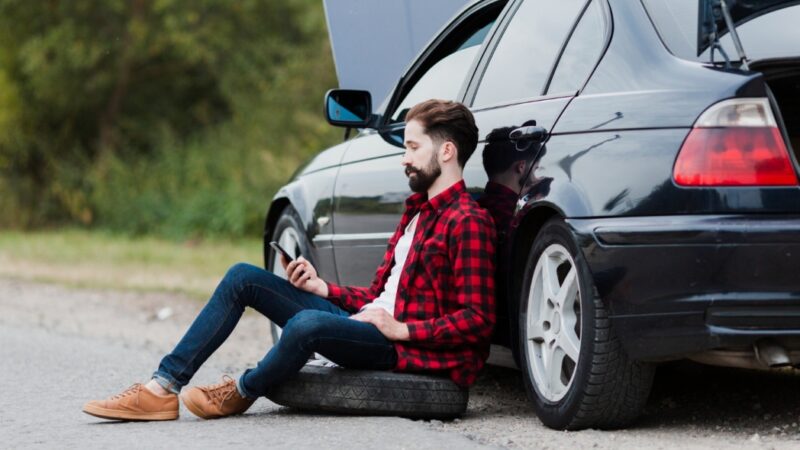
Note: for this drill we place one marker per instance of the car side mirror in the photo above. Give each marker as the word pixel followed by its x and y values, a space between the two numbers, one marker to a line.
pixel 348 108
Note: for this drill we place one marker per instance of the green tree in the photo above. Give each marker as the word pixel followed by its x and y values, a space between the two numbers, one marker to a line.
pixel 156 104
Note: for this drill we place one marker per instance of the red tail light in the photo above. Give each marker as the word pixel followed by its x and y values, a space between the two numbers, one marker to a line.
pixel 735 143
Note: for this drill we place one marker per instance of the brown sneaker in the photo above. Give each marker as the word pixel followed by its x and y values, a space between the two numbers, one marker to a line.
pixel 135 403
pixel 215 401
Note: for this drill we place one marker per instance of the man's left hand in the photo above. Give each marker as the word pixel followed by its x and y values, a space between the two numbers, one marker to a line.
pixel 393 329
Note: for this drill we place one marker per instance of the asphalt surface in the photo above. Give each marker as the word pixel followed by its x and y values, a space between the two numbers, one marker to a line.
pixel 60 347
pixel 53 375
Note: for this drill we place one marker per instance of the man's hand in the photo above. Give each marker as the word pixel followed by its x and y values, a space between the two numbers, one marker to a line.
pixel 303 276
pixel 386 324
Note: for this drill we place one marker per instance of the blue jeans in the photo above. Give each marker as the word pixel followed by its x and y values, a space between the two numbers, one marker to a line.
pixel 310 324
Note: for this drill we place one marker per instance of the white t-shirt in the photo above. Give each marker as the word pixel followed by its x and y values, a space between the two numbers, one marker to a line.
pixel 387 297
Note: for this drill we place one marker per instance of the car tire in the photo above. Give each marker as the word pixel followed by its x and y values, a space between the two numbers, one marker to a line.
pixel 370 392
pixel 289 234
pixel 576 372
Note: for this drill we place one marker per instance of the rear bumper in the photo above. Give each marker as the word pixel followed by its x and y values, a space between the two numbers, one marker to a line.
pixel 679 285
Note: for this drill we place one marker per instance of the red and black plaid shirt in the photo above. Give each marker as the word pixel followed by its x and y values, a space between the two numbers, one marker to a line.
pixel 446 289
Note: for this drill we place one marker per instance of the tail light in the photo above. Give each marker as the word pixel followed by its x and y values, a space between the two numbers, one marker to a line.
pixel 735 143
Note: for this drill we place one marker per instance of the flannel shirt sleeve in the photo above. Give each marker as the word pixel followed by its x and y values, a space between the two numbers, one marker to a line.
pixel 471 246
pixel 350 298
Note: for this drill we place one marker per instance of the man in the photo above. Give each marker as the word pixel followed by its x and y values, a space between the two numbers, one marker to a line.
pixel 429 308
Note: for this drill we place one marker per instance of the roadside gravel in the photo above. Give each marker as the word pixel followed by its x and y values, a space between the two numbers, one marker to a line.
pixel 62 346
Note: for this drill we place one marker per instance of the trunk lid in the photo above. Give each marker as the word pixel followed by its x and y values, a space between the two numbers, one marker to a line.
pixel 712 24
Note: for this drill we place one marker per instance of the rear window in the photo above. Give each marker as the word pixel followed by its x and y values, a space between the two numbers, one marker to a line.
pixel 771 35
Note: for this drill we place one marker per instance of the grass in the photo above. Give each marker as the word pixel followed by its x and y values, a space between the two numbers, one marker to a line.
pixel 103 260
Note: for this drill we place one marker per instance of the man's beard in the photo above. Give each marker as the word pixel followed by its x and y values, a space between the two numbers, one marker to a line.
pixel 425 177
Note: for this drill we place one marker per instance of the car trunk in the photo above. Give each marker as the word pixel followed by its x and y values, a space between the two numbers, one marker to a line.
pixel 783 79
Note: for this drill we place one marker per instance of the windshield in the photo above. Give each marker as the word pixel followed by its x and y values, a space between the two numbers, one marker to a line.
pixel 771 35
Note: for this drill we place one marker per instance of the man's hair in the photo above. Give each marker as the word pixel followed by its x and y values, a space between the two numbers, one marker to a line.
pixel 445 120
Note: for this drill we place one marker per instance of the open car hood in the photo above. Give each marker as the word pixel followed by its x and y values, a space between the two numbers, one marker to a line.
pixel 741 11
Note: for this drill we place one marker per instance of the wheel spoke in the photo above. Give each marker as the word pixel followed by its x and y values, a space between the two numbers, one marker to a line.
pixel 547 359
pixel 567 292
pixel 568 342
pixel 535 330
pixel 553 370
pixel 550 285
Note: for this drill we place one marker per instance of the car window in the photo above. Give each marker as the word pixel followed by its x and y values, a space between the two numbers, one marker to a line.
pixel 584 48
pixel 449 63
pixel 521 63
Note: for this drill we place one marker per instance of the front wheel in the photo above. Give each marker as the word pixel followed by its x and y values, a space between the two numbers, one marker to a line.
pixel 576 371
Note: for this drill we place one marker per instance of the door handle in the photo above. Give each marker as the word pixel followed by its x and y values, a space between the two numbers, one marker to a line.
pixel 531 133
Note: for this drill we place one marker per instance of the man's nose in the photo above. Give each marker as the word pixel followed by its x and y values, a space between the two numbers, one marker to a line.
pixel 405 161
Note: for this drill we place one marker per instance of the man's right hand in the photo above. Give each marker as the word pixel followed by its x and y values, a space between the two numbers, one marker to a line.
pixel 303 276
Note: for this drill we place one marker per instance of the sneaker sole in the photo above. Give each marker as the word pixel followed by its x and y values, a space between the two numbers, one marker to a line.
pixel 113 414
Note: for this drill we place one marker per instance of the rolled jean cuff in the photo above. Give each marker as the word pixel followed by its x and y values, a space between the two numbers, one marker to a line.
pixel 242 390
pixel 167 382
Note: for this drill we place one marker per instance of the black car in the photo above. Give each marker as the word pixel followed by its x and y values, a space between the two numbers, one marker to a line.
pixel 659 216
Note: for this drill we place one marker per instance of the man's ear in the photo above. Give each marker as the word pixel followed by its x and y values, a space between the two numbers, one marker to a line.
pixel 519 166
pixel 448 150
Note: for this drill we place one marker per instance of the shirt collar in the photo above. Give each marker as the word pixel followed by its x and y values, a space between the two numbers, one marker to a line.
pixel 420 199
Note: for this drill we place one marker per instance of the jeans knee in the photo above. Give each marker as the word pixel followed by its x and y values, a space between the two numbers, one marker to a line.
pixel 239 271
pixel 306 324
pixel 244 273
pixel 238 277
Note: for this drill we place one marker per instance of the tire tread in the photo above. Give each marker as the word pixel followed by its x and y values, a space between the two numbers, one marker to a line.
pixel 370 392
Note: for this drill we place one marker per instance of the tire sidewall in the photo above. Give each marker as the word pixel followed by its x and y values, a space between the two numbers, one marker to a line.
pixel 559 414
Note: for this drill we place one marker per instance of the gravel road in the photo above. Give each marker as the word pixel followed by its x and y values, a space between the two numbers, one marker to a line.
pixel 62 346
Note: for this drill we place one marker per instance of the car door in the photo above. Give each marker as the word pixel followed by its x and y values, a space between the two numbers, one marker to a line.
pixel 511 86
pixel 371 187
pixel 533 69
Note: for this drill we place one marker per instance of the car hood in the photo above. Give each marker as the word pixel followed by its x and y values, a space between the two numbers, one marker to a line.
pixel 741 11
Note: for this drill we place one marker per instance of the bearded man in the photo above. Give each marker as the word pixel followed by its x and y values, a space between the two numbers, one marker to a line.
pixel 430 307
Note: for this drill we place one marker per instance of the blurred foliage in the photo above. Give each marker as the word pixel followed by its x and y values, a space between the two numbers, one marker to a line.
pixel 157 116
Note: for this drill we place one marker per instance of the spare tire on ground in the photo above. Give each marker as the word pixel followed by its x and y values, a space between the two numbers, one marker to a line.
pixel 370 392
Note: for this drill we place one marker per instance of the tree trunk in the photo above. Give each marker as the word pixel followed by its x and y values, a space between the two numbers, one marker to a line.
pixel 107 121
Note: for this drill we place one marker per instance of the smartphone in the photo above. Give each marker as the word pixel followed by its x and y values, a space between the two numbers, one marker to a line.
pixel 280 249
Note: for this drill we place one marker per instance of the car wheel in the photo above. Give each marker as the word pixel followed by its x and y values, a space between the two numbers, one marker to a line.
pixel 576 372
pixel 372 392
pixel 289 235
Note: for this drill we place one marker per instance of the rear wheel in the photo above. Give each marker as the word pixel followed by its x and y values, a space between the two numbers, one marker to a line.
pixel 576 372
pixel 289 235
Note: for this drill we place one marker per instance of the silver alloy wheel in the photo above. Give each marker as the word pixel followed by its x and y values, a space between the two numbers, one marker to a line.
pixel 553 335
pixel 289 240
